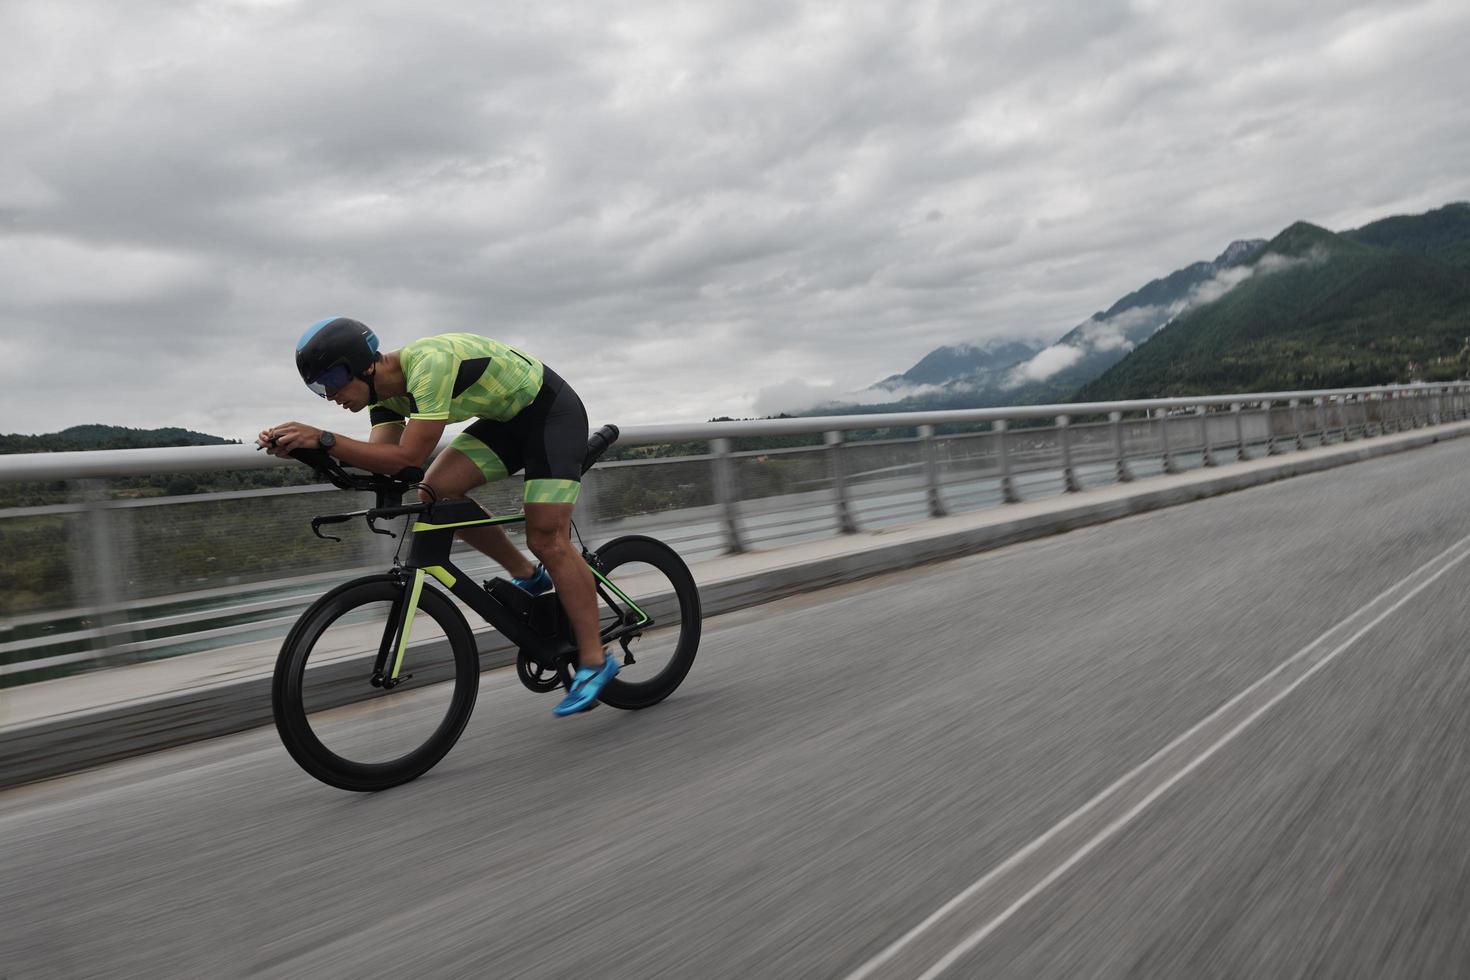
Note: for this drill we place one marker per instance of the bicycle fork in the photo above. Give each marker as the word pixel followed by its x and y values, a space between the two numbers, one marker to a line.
pixel 396 630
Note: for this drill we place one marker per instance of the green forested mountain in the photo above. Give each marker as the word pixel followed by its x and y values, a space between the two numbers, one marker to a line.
pixel 80 437
pixel 1388 302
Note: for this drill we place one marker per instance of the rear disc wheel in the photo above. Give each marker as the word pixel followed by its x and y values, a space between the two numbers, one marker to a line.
pixel 643 578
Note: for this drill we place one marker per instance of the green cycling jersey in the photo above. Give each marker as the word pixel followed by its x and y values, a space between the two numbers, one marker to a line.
pixel 458 376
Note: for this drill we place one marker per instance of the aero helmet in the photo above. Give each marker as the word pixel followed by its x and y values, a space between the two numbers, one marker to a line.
pixel 333 351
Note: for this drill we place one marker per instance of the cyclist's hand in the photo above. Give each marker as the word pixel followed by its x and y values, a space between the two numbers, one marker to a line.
pixel 266 440
pixel 280 440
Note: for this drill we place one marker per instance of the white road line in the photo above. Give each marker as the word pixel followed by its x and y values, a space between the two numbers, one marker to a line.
pixel 869 968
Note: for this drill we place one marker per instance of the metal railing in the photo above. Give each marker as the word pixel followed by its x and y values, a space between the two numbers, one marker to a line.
pixel 101 579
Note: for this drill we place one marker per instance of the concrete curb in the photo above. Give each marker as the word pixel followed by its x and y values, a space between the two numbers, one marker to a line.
pixel 91 738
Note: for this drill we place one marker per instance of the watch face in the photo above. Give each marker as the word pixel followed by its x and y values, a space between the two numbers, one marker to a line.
pixel 327 440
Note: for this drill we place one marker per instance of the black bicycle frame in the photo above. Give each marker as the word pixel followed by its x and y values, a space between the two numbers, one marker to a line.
pixel 428 556
pixel 433 538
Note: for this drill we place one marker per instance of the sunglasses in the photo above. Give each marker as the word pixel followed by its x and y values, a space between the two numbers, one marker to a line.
pixel 330 380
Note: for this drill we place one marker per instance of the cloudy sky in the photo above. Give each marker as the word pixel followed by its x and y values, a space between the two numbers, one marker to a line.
pixel 686 209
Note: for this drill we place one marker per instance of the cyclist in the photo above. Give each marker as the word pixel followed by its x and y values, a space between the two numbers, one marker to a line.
pixel 526 417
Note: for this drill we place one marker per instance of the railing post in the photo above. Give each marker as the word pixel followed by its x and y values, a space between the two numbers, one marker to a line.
pixel 1117 419
pixel 1007 485
pixel 1347 428
pixel 931 470
pixel 1206 457
pixel 1296 423
pixel 97 565
pixel 1321 420
pixel 1271 448
pixel 834 442
pixel 1240 455
pixel 1069 478
pixel 1169 466
pixel 725 495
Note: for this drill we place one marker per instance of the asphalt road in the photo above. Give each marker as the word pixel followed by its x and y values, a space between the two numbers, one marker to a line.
pixel 1226 739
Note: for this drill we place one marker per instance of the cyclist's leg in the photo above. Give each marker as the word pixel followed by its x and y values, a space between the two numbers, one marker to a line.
pixel 478 455
pixel 549 535
pixel 553 459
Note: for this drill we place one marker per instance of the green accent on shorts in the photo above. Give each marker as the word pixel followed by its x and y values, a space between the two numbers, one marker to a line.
pixel 482 456
pixel 552 491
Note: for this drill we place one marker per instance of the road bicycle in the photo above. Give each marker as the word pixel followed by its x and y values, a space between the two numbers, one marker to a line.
pixel 376 680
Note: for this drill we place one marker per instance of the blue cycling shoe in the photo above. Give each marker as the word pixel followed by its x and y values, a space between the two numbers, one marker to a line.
pixel 586 685
pixel 538 582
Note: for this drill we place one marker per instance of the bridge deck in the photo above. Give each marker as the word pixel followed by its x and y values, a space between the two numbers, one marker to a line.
pixel 844 764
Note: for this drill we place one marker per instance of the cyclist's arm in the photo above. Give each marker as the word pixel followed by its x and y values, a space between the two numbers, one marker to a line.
pixel 386 453
pixel 390 448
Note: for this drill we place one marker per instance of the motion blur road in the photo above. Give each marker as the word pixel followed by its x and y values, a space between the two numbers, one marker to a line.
pixel 1226 739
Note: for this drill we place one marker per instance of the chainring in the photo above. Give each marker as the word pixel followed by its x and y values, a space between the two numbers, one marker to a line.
pixel 536 677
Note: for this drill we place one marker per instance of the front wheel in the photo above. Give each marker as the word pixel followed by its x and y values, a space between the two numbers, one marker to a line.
pixel 357 708
pixel 646 595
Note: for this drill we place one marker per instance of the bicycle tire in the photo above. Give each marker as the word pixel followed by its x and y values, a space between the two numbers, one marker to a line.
pixel 623 691
pixel 289 687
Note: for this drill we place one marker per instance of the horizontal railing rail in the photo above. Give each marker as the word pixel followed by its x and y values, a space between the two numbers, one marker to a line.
pixel 106 580
pixel 195 459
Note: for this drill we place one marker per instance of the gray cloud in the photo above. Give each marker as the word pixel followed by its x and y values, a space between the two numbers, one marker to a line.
pixel 675 206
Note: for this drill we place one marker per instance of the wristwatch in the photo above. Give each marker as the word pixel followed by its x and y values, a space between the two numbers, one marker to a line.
pixel 326 440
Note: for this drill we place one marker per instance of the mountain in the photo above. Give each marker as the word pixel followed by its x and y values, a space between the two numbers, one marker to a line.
pixel 1444 232
pixel 1027 373
pixel 80 437
pixel 962 363
pixel 1388 302
pixel 1106 338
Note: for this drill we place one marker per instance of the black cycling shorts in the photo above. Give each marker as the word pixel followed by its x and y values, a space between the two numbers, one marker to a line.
pixel 547 438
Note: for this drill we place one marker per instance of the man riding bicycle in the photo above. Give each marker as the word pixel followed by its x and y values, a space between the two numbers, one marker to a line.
pixel 526 417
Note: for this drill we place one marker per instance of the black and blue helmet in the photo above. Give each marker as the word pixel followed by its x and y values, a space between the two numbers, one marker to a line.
pixel 333 352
